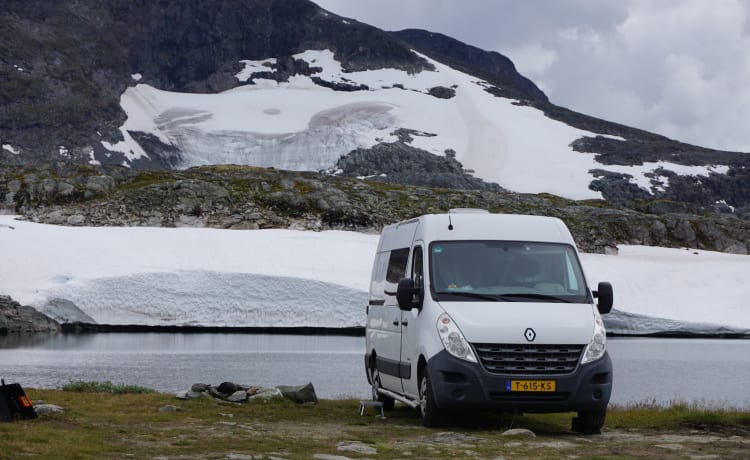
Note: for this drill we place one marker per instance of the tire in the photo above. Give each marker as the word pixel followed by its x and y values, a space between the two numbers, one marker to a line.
pixel 387 401
pixel 590 422
pixel 428 410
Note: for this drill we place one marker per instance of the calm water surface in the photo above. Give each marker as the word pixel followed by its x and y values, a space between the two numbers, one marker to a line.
pixel 709 372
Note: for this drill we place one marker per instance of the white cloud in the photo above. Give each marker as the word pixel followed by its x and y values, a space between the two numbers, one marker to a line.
pixel 533 60
pixel 677 67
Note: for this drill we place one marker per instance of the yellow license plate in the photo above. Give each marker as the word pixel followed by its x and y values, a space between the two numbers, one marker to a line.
pixel 530 385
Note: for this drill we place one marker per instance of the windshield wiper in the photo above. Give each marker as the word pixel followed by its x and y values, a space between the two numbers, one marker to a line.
pixel 475 295
pixel 531 295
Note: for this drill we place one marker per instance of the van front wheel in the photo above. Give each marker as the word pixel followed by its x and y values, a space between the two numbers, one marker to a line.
pixel 428 410
pixel 387 401
pixel 590 422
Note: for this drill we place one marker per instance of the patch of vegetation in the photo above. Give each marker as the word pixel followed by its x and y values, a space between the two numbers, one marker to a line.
pixel 82 386
pixel 100 425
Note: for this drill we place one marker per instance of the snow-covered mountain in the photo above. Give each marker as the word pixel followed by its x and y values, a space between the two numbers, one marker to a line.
pixel 303 124
pixel 286 84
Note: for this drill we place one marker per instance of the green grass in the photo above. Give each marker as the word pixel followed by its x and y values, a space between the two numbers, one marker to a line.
pixel 99 424
pixel 81 386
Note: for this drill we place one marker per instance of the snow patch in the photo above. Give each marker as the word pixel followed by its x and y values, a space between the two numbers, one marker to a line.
pixel 254 66
pixel 63 151
pixel 610 136
pixel 92 159
pixel 136 76
pixel 11 149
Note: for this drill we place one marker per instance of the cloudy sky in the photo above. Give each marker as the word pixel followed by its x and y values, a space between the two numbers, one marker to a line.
pixel 680 68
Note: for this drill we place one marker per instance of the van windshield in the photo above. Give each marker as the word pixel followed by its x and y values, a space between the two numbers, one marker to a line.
pixel 505 271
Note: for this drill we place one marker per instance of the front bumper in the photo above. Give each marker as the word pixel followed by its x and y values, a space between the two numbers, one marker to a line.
pixel 458 384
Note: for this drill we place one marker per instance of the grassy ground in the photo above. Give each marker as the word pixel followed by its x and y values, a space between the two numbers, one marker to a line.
pixel 107 425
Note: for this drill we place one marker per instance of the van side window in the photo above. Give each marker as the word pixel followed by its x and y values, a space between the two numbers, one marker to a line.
pixel 417 267
pixel 377 285
pixel 397 265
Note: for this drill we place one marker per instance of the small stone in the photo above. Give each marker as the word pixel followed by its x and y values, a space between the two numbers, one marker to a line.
pixel 170 408
pixel 519 432
pixel 184 394
pixel 76 219
pixel 330 457
pixel 355 446
pixel 44 409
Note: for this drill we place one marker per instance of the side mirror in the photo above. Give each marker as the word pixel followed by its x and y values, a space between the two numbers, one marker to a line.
pixel 605 296
pixel 407 295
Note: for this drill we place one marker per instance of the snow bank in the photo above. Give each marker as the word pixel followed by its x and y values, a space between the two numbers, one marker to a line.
pixel 187 276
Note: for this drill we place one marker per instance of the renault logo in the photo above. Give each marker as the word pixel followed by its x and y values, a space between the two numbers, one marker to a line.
pixel 529 334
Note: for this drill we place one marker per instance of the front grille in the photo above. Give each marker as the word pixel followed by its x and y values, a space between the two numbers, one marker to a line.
pixel 512 359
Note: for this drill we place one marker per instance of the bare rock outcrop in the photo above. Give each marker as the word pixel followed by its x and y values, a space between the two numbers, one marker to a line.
pixel 20 319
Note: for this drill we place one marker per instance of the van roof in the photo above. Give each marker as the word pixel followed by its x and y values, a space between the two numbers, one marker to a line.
pixel 476 226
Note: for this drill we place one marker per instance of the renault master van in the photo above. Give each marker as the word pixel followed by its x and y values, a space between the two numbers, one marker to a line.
pixel 472 311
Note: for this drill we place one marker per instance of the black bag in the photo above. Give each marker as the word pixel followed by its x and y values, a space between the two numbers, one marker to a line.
pixel 14 403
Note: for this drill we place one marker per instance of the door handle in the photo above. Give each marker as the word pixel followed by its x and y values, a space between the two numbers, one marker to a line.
pixel 404 323
pixel 395 323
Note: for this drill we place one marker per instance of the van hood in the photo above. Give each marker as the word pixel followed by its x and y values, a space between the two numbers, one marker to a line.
pixel 507 322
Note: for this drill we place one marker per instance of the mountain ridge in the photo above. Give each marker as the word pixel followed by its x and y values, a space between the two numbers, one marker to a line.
pixel 62 92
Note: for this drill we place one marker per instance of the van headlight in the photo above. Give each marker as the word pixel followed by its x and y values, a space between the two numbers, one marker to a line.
pixel 598 344
pixel 453 339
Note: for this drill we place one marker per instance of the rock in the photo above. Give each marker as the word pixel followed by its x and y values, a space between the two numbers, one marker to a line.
pixel 44 409
pixel 188 395
pixel 18 319
pixel 523 432
pixel 238 396
pixel 265 393
pixel 76 220
pixel 100 184
pixel 170 408
pixel 199 387
pixel 330 457
pixel 441 92
pixel 303 394
pixel 356 446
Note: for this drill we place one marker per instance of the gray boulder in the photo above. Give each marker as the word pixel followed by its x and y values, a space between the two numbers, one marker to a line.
pixel 238 396
pixel 303 394
pixel 19 319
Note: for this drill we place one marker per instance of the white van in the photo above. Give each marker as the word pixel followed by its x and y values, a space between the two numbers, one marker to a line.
pixel 472 310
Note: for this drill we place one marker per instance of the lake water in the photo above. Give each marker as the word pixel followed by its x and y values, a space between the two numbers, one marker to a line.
pixel 711 373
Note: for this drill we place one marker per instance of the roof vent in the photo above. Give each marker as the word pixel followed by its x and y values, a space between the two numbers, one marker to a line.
pixel 468 211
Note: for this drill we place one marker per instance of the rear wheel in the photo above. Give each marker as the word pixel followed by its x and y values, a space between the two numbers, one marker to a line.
pixel 387 401
pixel 428 410
pixel 590 422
